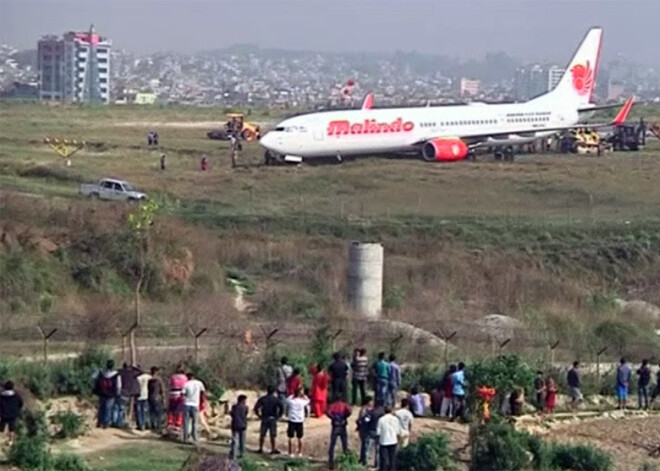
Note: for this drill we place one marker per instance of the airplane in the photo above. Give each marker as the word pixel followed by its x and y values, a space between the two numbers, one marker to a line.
pixel 446 133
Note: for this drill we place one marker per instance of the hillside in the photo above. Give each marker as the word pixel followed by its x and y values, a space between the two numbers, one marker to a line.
pixel 550 240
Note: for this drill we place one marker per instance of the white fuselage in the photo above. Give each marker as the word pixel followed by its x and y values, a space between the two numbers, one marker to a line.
pixel 394 130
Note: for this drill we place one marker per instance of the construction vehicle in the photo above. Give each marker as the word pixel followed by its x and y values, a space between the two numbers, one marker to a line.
pixel 237 126
pixel 628 136
pixel 582 141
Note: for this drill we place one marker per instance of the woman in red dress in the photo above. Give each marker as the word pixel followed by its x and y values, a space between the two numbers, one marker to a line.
pixel 550 395
pixel 319 391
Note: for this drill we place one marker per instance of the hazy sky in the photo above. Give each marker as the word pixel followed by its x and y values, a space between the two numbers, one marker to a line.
pixel 527 29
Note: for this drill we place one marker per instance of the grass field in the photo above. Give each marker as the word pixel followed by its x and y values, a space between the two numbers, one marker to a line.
pixel 551 187
pixel 163 456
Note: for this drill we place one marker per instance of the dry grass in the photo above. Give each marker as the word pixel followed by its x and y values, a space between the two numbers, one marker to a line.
pixel 534 239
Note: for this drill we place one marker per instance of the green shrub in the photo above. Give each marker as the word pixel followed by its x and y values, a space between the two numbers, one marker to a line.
pixel 73 377
pixel 504 373
pixel 426 377
pixel 499 447
pixel 30 451
pixel 428 453
pixel 580 458
pixel 71 425
pixel 349 462
pixel 37 379
pixel 69 462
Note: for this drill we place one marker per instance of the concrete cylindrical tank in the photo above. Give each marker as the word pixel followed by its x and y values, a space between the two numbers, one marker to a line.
pixel 365 279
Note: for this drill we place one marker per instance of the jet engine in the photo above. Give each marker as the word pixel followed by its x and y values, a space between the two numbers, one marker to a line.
pixel 444 150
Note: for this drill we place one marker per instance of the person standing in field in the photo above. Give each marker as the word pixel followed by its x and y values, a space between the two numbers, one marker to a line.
pixel 130 389
pixel 382 379
pixel 574 380
pixel 283 373
pixel 447 407
pixel 296 406
pixel 338 412
pixel 394 383
pixel 11 405
pixel 458 391
pixel 156 399
pixel 416 403
pixel 239 421
pixel 294 382
pixel 163 163
pixel 192 396
pixel 360 368
pixel 623 377
pixel 366 428
pixel 389 431
pixel 142 402
pixel 406 419
pixel 656 390
pixel 539 391
pixel 107 386
pixel 269 409
pixel 319 393
pixel 338 373
pixel 550 396
pixel 176 400
pixel 643 384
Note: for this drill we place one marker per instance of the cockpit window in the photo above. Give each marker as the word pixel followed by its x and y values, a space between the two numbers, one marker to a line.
pixel 291 129
pixel 281 128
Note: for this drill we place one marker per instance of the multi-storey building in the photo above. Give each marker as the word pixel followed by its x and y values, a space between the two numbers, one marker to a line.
pixel 75 67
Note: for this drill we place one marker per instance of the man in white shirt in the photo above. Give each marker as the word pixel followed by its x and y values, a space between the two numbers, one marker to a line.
pixel 192 392
pixel 296 407
pixel 405 419
pixel 389 431
pixel 141 405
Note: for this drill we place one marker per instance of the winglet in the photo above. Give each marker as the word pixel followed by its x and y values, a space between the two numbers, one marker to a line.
pixel 623 112
pixel 368 102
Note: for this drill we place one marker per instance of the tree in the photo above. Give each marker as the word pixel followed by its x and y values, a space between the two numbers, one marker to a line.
pixel 140 222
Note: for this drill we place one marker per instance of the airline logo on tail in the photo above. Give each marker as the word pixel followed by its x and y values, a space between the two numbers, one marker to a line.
pixel 583 78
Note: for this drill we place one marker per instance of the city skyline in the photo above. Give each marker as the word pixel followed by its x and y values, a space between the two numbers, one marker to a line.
pixel 530 31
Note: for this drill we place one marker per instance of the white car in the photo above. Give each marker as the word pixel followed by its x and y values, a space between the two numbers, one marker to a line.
pixel 112 189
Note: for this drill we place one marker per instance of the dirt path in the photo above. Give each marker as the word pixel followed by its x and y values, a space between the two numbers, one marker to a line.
pixel 631 441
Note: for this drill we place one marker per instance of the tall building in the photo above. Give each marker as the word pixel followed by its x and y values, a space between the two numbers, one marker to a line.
pixel 75 67
pixel 555 73
pixel 534 80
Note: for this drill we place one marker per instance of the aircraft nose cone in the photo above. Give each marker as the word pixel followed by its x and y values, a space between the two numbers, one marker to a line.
pixel 268 141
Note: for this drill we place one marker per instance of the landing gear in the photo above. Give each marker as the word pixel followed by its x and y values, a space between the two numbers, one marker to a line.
pixel 508 153
pixel 505 154
pixel 340 159
pixel 471 156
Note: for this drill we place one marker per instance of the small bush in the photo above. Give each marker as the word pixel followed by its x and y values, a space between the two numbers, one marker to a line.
pixel 504 373
pixel 425 377
pixel 69 462
pixel 580 458
pixel 349 462
pixel 71 425
pixel 30 451
pixel 37 378
pixel 429 453
pixel 497 447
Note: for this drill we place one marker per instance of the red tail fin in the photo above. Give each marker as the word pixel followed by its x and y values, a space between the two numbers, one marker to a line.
pixel 368 102
pixel 623 112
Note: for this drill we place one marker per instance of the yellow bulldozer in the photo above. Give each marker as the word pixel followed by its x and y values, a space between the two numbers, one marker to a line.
pixel 583 141
pixel 236 125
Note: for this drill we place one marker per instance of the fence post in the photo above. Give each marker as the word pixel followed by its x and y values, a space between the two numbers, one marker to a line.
pixel 196 336
pixel 598 354
pixel 46 337
pixel 552 352
pixel 446 354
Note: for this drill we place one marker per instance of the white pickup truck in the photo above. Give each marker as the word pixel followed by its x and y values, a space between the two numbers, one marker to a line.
pixel 111 189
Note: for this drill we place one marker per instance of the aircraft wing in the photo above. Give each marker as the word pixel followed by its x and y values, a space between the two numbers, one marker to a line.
pixel 617 121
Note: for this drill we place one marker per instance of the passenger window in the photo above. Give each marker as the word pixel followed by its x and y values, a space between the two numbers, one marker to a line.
pixel 118 187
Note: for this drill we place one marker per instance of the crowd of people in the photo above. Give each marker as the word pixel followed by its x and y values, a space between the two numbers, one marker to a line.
pixel 178 405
